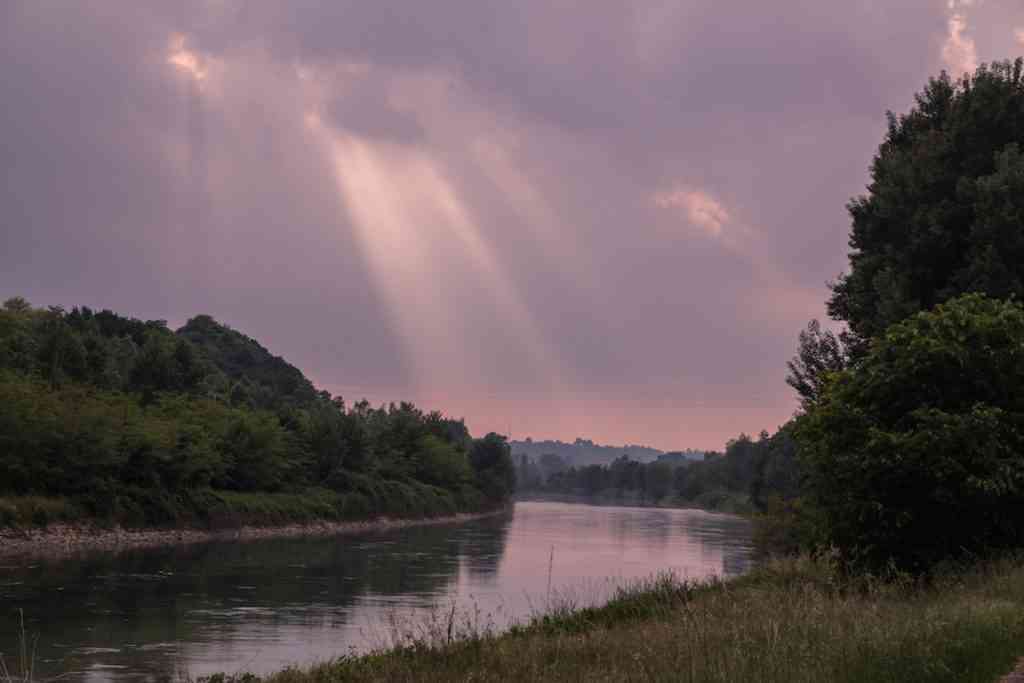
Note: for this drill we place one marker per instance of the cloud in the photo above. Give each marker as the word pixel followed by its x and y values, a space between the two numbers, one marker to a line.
pixel 188 61
pixel 1019 35
pixel 700 208
pixel 959 52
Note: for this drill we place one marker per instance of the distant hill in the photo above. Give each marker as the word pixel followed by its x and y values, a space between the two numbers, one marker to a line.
pixel 681 457
pixel 582 452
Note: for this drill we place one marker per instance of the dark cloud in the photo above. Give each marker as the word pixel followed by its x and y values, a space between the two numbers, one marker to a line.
pixel 458 202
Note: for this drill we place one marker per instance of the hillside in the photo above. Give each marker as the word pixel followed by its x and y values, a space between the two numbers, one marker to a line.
pixel 258 377
pixel 109 417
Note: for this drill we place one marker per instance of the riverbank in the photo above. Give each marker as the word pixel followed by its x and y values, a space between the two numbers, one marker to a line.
pixel 59 539
pixel 724 502
pixel 789 620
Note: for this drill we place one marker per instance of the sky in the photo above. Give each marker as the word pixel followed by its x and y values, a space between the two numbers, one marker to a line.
pixel 555 219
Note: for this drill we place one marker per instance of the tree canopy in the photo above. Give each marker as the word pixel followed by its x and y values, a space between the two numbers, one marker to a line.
pixel 944 208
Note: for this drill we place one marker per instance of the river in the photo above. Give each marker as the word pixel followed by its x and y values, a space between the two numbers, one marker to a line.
pixel 265 604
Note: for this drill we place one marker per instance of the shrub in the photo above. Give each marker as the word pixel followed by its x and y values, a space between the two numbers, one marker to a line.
pixel 914 455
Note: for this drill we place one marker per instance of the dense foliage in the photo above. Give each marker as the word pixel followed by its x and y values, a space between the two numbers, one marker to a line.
pixel 135 422
pixel 916 455
pixel 750 474
pixel 910 441
pixel 943 212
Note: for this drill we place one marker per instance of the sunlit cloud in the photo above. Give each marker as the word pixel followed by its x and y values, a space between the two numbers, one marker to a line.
pixel 187 61
pixel 959 52
pixel 701 209
pixel 1019 35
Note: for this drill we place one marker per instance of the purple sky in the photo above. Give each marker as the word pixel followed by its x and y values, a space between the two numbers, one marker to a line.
pixel 557 219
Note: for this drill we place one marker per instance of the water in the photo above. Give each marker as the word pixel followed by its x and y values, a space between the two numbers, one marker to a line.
pixel 262 605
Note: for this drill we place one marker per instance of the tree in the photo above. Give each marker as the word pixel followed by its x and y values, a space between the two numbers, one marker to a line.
pixel 441 463
pixel 551 464
pixel 776 472
pixel 944 211
pixel 658 480
pixel 17 304
pixel 916 454
pixel 819 354
pixel 491 460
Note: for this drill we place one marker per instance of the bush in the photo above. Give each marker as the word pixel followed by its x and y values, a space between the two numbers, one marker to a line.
pixel 784 527
pixel 36 511
pixel 914 455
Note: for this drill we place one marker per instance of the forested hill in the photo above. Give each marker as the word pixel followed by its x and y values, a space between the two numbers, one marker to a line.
pixel 257 377
pixel 107 416
pixel 582 452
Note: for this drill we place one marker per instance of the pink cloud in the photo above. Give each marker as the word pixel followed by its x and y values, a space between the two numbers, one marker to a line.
pixel 701 209
pixel 959 52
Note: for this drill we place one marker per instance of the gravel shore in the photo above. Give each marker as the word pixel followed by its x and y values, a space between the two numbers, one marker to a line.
pixel 56 540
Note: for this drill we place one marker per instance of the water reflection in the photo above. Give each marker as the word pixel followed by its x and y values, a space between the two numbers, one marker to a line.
pixel 264 604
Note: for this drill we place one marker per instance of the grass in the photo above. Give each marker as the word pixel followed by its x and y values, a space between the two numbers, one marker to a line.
pixel 24 671
pixel 790 620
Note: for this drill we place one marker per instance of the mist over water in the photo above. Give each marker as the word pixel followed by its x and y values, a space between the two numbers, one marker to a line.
pixel 265 604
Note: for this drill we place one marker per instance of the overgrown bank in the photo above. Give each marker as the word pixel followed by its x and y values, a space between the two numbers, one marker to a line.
pixel 792 620
pixel 65 538
pixel 114 421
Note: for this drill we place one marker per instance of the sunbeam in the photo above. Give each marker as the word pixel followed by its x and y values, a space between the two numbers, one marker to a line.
pixel 426 254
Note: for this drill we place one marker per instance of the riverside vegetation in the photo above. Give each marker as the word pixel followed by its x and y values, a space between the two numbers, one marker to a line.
pixel 897 522
pixel 741 480
pixel 112 420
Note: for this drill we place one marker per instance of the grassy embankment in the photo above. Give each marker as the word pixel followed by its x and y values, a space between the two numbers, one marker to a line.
pixel 791 621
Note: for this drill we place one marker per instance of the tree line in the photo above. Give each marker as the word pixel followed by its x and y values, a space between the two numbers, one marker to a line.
pixel 581 452
pixel 132 421
pixel 740 479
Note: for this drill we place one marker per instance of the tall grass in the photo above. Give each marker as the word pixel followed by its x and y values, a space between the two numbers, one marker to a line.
pixel 26 657
pixel 788 621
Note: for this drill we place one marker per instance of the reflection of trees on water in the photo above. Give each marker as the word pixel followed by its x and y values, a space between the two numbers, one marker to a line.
pixel 735 561
pixel 651 524
pixel 139 598
pixel 723 535
pixel 483 546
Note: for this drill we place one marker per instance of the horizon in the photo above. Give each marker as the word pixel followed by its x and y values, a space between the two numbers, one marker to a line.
pixel 609 224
